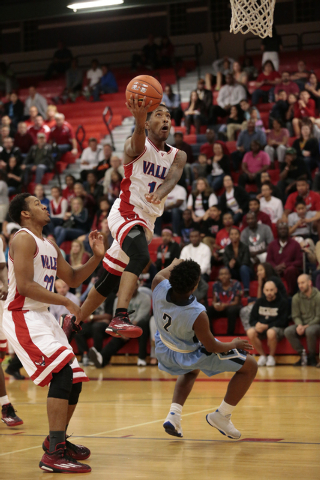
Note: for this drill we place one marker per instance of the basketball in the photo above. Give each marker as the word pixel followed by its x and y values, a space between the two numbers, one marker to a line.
pixel 145 86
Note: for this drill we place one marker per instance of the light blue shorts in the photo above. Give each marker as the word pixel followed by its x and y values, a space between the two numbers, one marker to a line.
pixel 177 363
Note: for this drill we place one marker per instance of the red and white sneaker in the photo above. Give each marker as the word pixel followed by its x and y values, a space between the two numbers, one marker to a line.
pixel 60 462
pixel 9 417
pixel 68 325
pixel 77 452
pixel 121 326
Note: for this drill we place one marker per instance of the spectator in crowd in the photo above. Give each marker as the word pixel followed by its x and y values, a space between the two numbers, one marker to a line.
pixel 257 237
pixel 195 113
pixel 205 96
pixel 173 103
pixel 265 84
pixel 35 100
pixel 92 185
pixel 74 79
pixel 174 205
pixel 254 206
pixel 166 52
pixel 77 256
pixel 61 61
pixel 269 204
pixel 6 122
pixel 5 133
pixel 236 257
pixel 90 157
pixel 220 167
pixel 302 222
pixel 39 160
pixel 39 127
pixel 253 164
pixel 222 237
pixel 39 193
pixel 4 197
pixel 76 223
pixel 104 163
pixel 280 109
pixel 277 141
pixel 102 213
pixel 230 94
pixel 291 169
pixel 239 74
pixel 199 252
pixel 211 225
pixel 271 46
pixel 306 317
pixel 220 68
pixel 265 178
pixel 207 148
pixel 187 225
pixel 300 77
pixel 14 176
pixel 244 142
pixel 226 299
pixel 33 112
pixel 62 289
pixel 62 134
pixel 93 77
pixel 285 255
pixel 234 199
pixel 268 319
pixel 292 101
pixel 88 200
pixel 23 139
pixel 7 151
pixel 149 56
pixel 14 109
pixel 68 192
pixel 311 198
pixel 313 87
pixel 184 146
pixel 200 168
pixel 304 107
pixel 115 165
pixel 307 148
pixel 114 188
pixel 201 199
pixel 286 85
pixel 107 83
pixel 58 207
pixel 51 116
pixel 167 251
pixel 234 123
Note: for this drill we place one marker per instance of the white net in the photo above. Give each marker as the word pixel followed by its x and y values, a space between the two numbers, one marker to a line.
pixel 254 16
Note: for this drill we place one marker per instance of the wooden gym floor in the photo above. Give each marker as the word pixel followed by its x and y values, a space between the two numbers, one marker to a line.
pixel 120 417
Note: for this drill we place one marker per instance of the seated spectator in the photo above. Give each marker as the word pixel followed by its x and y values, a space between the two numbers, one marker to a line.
pixel 102 213
pixel 90 157
pixel 268 319
pixel 291 169
pixel 7 122
pixel 304 107
pixel 195 113
pixel 115 165
pixel 285 255
pixel 88 200
pixel 23 139
pixel 306 317
pixel 74 79
pixel 244 142
pixel 311 198
pixel 280 109
pixel 77 256
pixel 76 223
pixel 302 222
pixel 174 205
pixel 234 122
pixel 286 85
pixel 313 87
pixel 62 134
pixel 149 56
pixel 222 237
pixel 249 68
pixel 5 133
pixel 236 257
pixel 7 151
pixel 220 68
pixel 62 289
pixel 114 188
pixel 107 83
pixel 226 300
pixel 173 103
pixel 93 77
pixel 184 146
pixel 39 193
pixel 14 176
pixel 201 199
pixel 207 148
pixel 61 61
pixel 300 77
pixel 265 178
pixel 4 197
pixel 230 94
pixel 269 204
pixel 92 185
pixel 271 46
pixel 51 116
pixel 167 251
pixel 210 226
pixel 35 100
pixel 33 112
pixel 187 225
pixel 166 52
pixel 199 252
pixel 219 168
pixel 253 164
pixel 262 218
pixel 58 207
pixel 240 75
pixel 200 168
pixel 307 148
pixel 39 127
pixel 265 84
pixel 292 101
pixel 234 199
pixel 68 192
pixel 104 163
pixel 14 109
pixel 205 95
pixel 277 140
pixel 39 160
pixel 257 237
pixel 255 116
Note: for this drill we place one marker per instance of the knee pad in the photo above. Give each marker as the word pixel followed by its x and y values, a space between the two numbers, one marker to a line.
pixel 75 392
pixel 61 384
pixel 136 247
pixel 107 283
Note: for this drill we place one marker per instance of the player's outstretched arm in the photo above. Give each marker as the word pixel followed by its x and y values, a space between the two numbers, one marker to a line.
pixel 165 273
pixel 202 330
pixel 171 179
pixel 135 145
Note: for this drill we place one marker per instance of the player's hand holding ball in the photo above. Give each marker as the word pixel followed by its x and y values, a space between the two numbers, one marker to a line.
pixel 242 344
pixel 138 109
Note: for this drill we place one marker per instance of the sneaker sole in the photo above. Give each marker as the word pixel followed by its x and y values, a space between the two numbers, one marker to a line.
pixel 130 333
pixel 48 469
pixel 12 424
pixel 170 430
pixel 221 431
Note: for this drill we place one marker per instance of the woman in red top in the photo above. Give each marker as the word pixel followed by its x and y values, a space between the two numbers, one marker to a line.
pixel 304 107
pixel 265 84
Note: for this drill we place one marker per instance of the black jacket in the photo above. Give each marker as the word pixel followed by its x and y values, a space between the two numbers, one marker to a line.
pixel 243 257
pixel 224 163
pixel 311 145
pixel 273 314
pixel 47 158
pixel 166 254
pixel 17 109
pixel 241 196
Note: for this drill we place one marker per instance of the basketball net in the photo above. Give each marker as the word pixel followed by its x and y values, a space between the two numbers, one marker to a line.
pixel 254 16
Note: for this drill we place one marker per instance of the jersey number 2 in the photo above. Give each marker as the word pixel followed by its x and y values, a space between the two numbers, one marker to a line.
pixel 49 281
pixel 166 318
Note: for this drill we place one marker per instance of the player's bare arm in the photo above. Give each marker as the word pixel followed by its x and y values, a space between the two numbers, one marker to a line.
pixel 171 179
pixel 201 328
pixel 135 145
pixel 165 273
pixel 4 281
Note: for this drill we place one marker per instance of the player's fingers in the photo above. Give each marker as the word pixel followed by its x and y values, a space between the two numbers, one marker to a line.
pixel 143 103
pixel 136 100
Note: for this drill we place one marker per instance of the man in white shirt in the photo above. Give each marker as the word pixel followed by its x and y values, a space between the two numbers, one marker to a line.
pixel 174 205
pixel 230 94
pixel 35 100
pixel 270 205
pixel 199 252
pixel 62 289
pixel 93 78
pixel 90 157
pixel 115 164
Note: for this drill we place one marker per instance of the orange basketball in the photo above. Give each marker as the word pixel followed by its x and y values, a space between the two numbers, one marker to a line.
pixel 145 86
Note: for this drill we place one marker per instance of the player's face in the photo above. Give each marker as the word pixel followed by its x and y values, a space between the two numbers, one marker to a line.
pixel 160 123
pixel 37 211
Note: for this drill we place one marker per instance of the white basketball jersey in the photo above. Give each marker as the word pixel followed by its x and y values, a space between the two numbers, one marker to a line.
pixel 144 175
pixel 45 269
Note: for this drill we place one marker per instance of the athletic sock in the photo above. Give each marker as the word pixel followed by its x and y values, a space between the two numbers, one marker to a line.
pixel 121 311
pixel 4 400
pixel 176 409
pixel 225 409
pixel 56 438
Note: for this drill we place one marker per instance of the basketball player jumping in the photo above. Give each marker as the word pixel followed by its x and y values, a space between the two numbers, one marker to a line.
pixel 185 346
pixel 151 170
pixel 35 334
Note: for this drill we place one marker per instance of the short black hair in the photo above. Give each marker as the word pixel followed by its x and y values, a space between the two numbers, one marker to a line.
pixel 299 201
pixel 302 179
pixel 185 276
pixel 255 199
pixel 17 206
pixel 160 105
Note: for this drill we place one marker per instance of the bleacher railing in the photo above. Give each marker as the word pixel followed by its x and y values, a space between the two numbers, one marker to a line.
pixel 107 119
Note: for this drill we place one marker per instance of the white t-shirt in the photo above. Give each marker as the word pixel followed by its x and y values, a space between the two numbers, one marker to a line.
pixel 231 201
pixel 216 169
pixel 93 158
pixel 273 208
pixel 200 254
pixel 198 207
pixel 178 193
pixel 94 76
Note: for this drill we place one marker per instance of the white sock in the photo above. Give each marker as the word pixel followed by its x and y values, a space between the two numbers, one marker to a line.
pixel 4 400
pixel 176 408
pixel 225 409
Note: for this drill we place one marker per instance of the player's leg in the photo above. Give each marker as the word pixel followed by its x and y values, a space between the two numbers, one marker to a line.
pixel 256 342
pixel 8 415
pixel 272 344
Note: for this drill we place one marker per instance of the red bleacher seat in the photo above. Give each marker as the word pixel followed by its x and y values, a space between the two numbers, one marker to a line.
pixel 66 247
pixel 251 188
pixel 232 146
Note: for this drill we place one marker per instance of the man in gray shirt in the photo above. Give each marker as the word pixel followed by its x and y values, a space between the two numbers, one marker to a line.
pixel 257 237
pixel 301 221
pixel 63 289
pixel 244 142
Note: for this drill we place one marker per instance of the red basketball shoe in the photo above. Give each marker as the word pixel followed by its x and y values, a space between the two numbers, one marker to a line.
pixel 121 326
pixel 60 462
pixel 77 452
pixel 68 325
pixel 9 417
